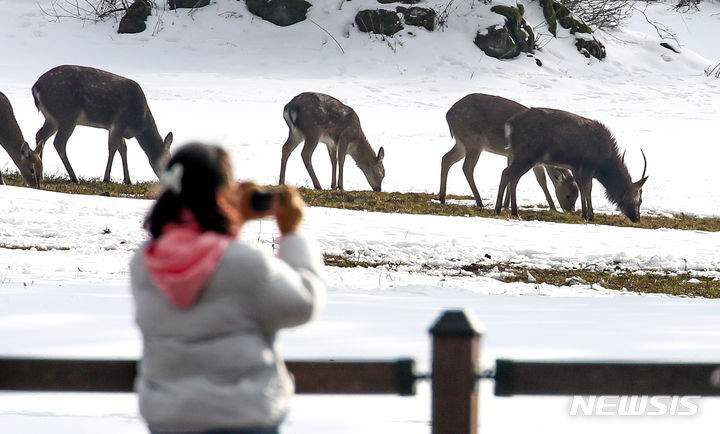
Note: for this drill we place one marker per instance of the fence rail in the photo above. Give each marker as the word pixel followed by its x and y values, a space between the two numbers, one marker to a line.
pixel 606 378
pixel 79 375
pixel 455 372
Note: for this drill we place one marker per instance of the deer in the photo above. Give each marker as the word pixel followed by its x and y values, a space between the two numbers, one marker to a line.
pixel 477 123
pixel 71 95
pixel 11 138
pixel 585 146
pixel 315 117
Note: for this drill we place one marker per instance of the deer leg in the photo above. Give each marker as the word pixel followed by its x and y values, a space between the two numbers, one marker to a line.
pixel 512 189
pixel 453 156
pixel 307 152
pixel 504 179
pixel 293 140
pixel 60 142
pixel 333 152
pixel 2 181
pixel 588 199
pixel 341 153
pixel 122 148
pixel 540 176
pixel 113 143
pixel 506 202
pixel 471 159
pixel 509 179
pixel 48 129
pixel 584 183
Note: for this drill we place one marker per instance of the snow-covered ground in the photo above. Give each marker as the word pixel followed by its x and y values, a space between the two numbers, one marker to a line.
pixel 221 75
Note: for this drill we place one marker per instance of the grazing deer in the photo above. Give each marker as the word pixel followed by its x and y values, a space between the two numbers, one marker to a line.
pixel 72 95
pixel 11 138
pixel 316 117
pixel 477 122
pixel 541 135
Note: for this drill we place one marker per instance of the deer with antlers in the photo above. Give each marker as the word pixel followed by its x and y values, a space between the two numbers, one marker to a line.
pixel 585 146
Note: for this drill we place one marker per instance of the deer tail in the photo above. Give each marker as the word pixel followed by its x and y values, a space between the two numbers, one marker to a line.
pixel 291 116
pixel 35 96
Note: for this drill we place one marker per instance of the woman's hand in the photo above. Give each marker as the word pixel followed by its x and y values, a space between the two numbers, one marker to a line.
pixel 288 209
pixel 245 190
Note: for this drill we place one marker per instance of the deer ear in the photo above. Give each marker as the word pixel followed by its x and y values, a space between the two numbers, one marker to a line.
pixel 381 154
pixel 25 150
pixel 168 140
pixel 640 183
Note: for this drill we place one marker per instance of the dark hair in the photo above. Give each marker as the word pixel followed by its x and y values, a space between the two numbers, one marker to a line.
pixel 205 169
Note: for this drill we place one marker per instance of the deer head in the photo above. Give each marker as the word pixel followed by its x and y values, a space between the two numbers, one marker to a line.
pixel 631 206
pixel 565 188
pixel 31 166
pixel 375 171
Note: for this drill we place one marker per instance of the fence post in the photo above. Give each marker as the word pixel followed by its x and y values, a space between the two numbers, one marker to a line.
pixel 456 344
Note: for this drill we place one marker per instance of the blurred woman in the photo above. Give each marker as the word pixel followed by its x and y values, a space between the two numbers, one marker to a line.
pixel 209 306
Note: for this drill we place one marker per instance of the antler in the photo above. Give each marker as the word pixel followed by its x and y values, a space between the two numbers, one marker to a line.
pixel 645 166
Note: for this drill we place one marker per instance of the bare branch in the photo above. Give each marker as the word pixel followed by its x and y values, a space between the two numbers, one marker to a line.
pixel 329 34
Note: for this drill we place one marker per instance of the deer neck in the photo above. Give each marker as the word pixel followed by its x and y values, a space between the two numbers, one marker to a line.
pixel 614 176
pixel 361 151
pixel 149 139
pixel 14 150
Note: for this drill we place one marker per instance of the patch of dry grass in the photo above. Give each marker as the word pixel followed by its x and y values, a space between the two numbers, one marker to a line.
pixel 424 203
pixel 405 203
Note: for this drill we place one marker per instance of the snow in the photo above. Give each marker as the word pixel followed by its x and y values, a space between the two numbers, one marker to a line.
pixel 222 75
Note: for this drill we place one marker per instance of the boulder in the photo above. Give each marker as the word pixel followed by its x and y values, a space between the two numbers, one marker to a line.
pixel 177 4
pixel 379 21
pixel 509 40
pixel 279 12
pixel 420 17
pixel 555 13
pixel 497 43
pixel 135 16
pixel 590 47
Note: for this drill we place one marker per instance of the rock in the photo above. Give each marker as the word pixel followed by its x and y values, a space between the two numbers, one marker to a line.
pixel 497 43
pixel 135 15
pixel 669 47
pixel 279 12
pixel 420 17
pixel 175 4
pixel 379 21
pixel 509 40
pixel 590 47
pixel 555 12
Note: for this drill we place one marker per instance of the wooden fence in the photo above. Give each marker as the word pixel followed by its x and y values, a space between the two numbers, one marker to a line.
pixel 454 376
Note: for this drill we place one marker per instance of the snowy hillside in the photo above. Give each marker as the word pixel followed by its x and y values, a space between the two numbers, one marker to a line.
pixel 221 75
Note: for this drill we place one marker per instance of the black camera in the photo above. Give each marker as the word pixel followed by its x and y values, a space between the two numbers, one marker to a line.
pixel 262 201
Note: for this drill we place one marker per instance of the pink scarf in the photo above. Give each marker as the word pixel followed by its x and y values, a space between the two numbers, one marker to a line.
pixel 183 258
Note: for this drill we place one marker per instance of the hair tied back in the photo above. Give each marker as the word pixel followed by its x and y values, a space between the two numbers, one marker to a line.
pixel 171 179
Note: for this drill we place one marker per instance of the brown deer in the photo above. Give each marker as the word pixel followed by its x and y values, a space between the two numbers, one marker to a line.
pixel 11 138
pixel 70 95
pixel 556 137
pixel 477 122
pixel 316 117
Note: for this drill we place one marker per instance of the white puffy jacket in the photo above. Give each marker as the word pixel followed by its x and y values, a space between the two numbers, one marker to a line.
pixel 216 365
